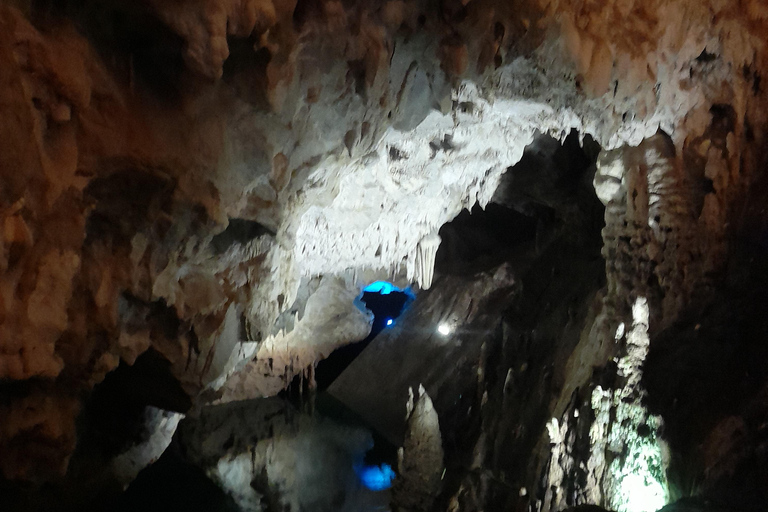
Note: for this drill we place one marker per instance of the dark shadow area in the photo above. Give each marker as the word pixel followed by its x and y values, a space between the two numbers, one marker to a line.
pixel 172 484
pixel 549 188
pixel 550 175
pixel 245 70
pixel 239 231
pixel 546 224
pixel 382 452
pixel 330 441
pixel 480 240
pixel 111 421
pixel 707 376
pixel 147 382
pixel 136 46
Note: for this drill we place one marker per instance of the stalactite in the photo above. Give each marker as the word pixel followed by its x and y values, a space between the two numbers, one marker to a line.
pixel 425 260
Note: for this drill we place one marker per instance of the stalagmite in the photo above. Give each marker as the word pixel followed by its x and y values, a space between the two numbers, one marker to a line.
pixel 420 459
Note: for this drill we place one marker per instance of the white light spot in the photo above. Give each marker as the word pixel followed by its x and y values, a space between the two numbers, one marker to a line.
pixel 523 491
pixel 619 331
pixel 641 493
pixel 390 321
pixel 444 329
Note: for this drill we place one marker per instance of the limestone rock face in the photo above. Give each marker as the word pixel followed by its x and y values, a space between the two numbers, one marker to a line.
pixel 213 182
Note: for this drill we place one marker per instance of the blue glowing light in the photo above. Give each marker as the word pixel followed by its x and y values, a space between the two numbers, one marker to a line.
pixel 381 287
pixel 376 478
pixel 378 307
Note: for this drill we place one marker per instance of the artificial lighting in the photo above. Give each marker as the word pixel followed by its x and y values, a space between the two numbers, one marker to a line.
pixel 637 481
pixel 376 478
pixel 381 287
pixel 641 493
pixel 444 329
pixel 390 321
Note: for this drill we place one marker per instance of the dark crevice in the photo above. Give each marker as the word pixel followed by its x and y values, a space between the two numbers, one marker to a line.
pixel 148 382
pixel 239 231
pixel 357 74
pixel 304 11
pixel 156 316
pixel 706 56
pixel 245 70
pixel 723 119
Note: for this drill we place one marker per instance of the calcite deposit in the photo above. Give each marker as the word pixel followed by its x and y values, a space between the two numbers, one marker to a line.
pixel 193 195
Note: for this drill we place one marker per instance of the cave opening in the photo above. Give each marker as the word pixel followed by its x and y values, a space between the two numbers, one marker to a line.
pixel 387 302
pixel 114 415
pixel 483 238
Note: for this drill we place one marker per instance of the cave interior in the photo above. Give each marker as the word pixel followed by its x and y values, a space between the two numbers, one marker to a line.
pixel 386 255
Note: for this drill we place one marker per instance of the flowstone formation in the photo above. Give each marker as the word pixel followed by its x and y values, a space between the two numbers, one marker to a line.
pixel 192 196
